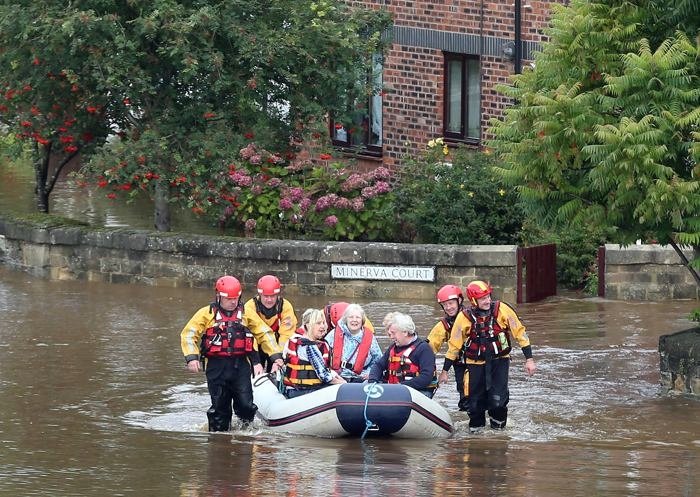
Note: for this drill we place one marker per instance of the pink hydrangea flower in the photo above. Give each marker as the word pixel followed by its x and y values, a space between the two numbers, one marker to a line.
pixel 358 204
pixel 353 182
pixel 248 151
pixel 343 203
pixel 381 173
pixel 241 179
pixel 305 204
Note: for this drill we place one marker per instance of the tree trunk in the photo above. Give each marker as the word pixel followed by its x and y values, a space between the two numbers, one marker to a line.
pixel 685 261
pixel 162 206
pixel 41 190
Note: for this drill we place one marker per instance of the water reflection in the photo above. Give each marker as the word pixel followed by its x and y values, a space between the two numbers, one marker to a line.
pixel 96 401
pixel 88 204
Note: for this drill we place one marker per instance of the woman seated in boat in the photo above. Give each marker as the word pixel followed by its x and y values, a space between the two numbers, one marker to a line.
pixel 307 357
pixel 409 360
pixel 334 311
pixel 354 348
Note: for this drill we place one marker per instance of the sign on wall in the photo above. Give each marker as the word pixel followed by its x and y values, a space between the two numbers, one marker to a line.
pixel 393 273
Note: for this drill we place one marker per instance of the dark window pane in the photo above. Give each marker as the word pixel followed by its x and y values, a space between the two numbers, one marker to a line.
pixel 473 110
pixel 454 102
pixel 462 97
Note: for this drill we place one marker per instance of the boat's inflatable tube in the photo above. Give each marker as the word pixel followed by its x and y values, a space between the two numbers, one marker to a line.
pixel 352 409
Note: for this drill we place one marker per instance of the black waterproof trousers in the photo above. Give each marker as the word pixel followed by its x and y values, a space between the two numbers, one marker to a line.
pixel 488 391
pixel 228 379
pixel 460 368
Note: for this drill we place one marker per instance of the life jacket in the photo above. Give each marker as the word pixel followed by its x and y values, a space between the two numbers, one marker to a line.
pixel 300 373
pixel 227 337
pixel 486 337
pixel 402 368
pixel 400 365
pixel 362 351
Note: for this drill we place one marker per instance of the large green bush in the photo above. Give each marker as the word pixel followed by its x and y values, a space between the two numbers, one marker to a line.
pixel 455 202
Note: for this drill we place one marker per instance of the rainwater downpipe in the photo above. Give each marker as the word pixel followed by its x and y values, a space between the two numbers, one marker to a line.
pixel 517 53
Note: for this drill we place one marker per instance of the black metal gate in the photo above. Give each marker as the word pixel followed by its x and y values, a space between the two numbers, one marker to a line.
pixel 539 264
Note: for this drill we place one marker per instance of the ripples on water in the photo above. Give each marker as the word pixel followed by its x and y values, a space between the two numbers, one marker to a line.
pixel 96 401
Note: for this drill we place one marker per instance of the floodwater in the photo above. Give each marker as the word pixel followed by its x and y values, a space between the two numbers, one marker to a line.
pixel 96 402
pixel 87 204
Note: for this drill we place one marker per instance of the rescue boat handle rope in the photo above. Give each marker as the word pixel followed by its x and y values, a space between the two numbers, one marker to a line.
pixel 369 390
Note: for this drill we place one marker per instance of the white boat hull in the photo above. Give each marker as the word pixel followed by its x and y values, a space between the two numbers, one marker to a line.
pixel 346 410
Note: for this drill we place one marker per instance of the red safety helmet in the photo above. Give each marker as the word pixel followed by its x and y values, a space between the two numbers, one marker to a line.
pixel 334 312
pixel 449 292
pixel 477 289
pixel 228 286
pixel 269 285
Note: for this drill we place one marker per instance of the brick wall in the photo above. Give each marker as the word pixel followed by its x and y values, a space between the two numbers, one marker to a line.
pixel 413 72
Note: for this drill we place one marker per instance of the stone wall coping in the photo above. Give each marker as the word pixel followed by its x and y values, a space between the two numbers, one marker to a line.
pixel 290 250
pixel 643 254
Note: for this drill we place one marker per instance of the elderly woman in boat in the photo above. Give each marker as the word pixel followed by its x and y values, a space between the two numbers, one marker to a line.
pixel 354 348
pixel 409 360
pixel 307 357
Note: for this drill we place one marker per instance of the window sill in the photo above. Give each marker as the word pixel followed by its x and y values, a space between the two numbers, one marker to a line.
pixel 458 142
pixel 363 153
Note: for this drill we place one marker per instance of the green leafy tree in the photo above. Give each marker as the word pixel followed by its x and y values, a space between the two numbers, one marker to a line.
pixel 179 83
pixel 604 132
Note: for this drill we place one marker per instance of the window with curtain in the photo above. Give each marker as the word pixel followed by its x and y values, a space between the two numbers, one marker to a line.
pixel 462 120
pixel 363 132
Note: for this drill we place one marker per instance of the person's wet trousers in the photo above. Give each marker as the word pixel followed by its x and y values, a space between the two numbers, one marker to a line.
pixel 488 391
pixel 228 380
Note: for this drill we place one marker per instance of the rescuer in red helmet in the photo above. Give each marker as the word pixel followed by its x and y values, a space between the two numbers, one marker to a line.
pixel 333 312
pixel 483 334
pixel 220 334
pixel 451 299
pixel 270 313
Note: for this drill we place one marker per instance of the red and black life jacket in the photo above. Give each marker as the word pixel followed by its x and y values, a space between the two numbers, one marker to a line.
pixel 227 337
pixel 300 373
pixel 401 367
pixel 486 337
pixel 360 353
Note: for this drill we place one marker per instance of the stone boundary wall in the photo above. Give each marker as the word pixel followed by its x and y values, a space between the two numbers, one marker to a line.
pixel 647 272
pixel 680 361
pixel 183 260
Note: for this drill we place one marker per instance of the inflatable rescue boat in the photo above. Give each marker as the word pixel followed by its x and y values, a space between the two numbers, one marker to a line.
pixel 352 409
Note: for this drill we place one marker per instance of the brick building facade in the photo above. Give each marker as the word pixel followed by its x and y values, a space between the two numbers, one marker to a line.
pixel 440 73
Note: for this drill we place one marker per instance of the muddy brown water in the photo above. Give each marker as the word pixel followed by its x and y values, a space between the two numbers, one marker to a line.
pixel 95 401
